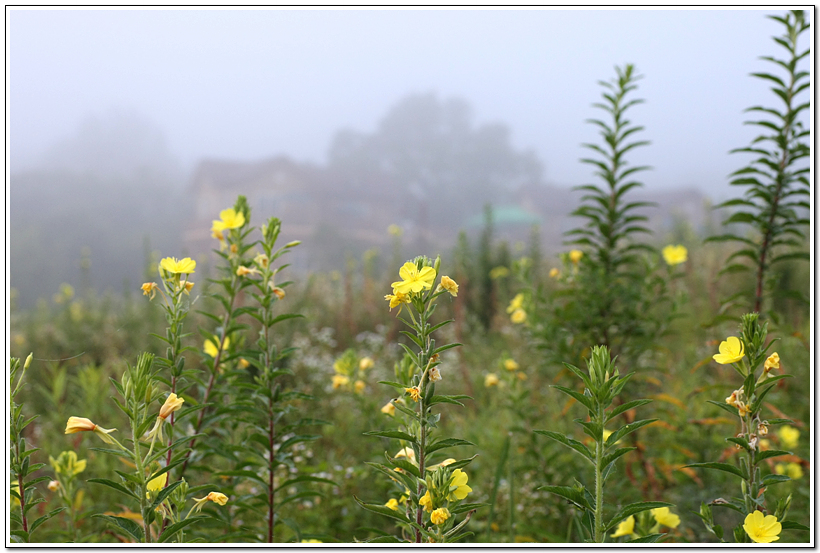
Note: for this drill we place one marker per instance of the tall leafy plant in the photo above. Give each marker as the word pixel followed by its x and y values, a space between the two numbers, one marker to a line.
pixel 775 202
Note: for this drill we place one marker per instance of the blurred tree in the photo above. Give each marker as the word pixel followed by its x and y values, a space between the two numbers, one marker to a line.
pixel 442 166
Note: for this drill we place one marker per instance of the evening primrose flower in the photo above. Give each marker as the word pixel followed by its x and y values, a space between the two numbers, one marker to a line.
pixel 340 380
pixel 510 365
pixel 793 470
pixel 731 351
pixel 365 363
pixel 665 517
pixel 625 528
pixel 414 392
pixel 458 480
pixel 772 362
pixel 149 289
pixel 789 436
pixel 392 504
pixel 413 280
pixel 156 484
pixel 80 424
pixel 518 316
pixel 394 230
pixel 554 272
pixel 516 303
pixel 53 485
pixel 228 219
pixel 674 255
pixel 499 272
pixel 212 349
pixel 261 260
pixel 397 299
pixel 426 501
pixel 359 386
pixel 762 529
pixel 439 516
pixel 174 266
pixel 389 409
pixel 575 256
pixel 450 285
pixel 67 463
pixel 216 497
pixel 171 405
pixel 435 374
pixel 491 380
pixel 188 287
pixel 278 292
pixel 245 271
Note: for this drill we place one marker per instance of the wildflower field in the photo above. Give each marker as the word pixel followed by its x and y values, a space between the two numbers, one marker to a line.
pixel 634 388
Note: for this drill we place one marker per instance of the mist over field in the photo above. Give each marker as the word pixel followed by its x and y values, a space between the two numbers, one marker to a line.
pixel 131 129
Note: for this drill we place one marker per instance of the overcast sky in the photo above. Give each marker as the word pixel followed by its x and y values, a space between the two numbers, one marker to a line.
pixel 250 84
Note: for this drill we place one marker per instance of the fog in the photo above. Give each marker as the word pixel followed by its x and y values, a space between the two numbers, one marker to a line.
pixel 122 120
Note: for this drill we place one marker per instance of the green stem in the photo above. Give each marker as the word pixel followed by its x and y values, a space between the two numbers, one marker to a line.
pixel 143 478
pixel 599 482
pixel 512 488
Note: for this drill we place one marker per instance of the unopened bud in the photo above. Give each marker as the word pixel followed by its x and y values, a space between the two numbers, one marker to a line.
pixel 293 244
pixel 28 361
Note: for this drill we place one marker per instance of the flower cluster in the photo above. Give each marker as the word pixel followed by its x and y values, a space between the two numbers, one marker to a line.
pixel 351 368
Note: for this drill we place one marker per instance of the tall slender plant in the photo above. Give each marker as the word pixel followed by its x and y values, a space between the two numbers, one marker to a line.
pixel 775 203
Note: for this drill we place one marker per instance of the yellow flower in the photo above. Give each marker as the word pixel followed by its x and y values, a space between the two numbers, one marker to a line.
pixel 435 374
pixel 510 365
pixel 67 463
pixel 216 233
pixel 394 230
pixel 398 299
pixel 665 517
pixel 674 255
pixel 392 504
pixel 389 409
pixel 211 348
pixel 188 287
pixel 172 404
pixel 518 316
pixel 53 485
pixel 731 351
pixel 765 444
pixel 358 386
pixel 216 497
pixel 607 434
pixel 149 289
pixel 414 392
pixel 439 516
pixel 340 380
pixel 450 285
pixel 762 529
pixel 244 363
pixel 413 280
pixel 229 219
pixel 575 256
pixel 516 303
pixel 625 528
pixel 521 376
pixel 554 272
pixel 406 452
pixel 312 541
pixel 789 436
pixel 261 260
pixel 172 265
pixel 458 481
pixel 426 501
pixel 157 483
pixel 772 362
pixel 793 470
pixel 245 271
pixel 15 486
pixel 278 292
pixel 365 363
pixel 491 380
pixel 499 272
pixel 79 424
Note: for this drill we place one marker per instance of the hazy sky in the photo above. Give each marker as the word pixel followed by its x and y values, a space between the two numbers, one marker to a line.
pixel 248 84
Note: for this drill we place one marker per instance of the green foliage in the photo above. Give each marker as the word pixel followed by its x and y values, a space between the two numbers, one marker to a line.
pixel 746 403
pixel 775 202
pixel 602 383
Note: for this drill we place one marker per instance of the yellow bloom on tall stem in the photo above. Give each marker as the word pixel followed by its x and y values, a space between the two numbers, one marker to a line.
pixel 149 289
pixel 762 529
pixel 392 504
pixel 731 351
pixel 397 299
pixel 184 265
pixel 450 285
pixel 389 409
pixel 228 219
pixel 575 256
pixel 516 303
pixel 625 528
pixel 674 255
pixel 665 517
pixel 414 392
pixel 491 380
pixel 518 316
pixel 365 363
pixel 216 497
pixel 172 404
pixel 458 486
pixel 212 349
pixel 426 501
pixel 439 516
pixel 772 362
pixel 510 365
pixel 340 380
pixel 788 436
pixel 80 424
pixel 413 280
